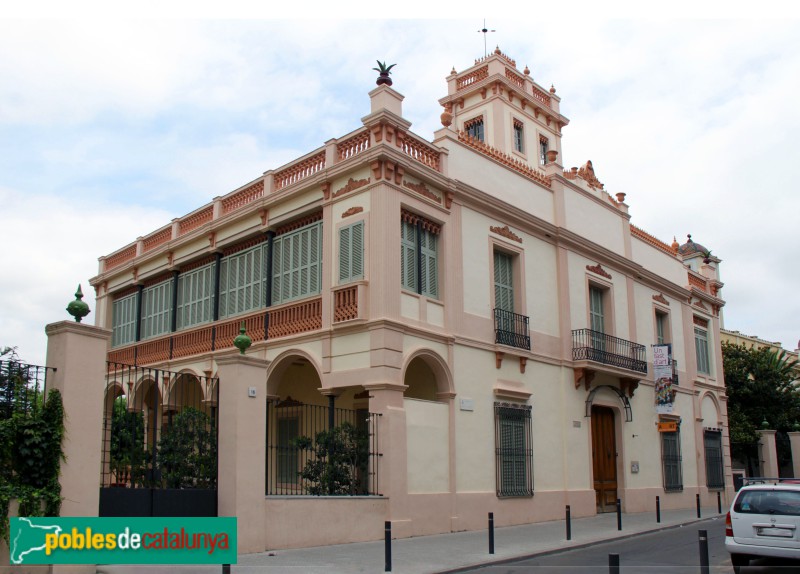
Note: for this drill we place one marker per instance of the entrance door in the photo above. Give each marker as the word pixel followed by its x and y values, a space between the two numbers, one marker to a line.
pixel 604 458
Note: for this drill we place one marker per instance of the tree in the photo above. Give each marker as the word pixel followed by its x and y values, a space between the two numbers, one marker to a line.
pixel 187 451
pixel 127 452
pixel 340 463
pixel 760 387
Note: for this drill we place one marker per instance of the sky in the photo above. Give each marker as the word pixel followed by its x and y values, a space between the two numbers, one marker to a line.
pixel 114 123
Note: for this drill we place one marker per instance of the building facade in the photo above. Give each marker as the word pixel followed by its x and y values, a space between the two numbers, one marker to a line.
pixel 494 311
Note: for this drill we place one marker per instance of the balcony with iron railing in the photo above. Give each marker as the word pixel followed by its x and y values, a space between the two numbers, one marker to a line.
pixel 597 347
pixel 511 329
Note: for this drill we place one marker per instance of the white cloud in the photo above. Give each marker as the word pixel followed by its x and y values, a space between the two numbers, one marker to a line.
pixel 109 129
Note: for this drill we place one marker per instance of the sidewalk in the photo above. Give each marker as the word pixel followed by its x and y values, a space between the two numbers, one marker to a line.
pixel 442 552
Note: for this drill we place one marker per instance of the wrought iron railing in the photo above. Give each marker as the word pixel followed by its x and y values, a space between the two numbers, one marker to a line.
pixel 511 329
pixel 159 429
pixel 602 348
pixel 320 451
pixel 22 388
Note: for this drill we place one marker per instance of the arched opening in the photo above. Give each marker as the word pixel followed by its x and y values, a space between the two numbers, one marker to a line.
pixel 319 441
pixel 420 380
pixel 426 403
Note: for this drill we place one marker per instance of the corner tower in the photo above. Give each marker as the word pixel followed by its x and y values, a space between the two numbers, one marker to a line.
pixel 493 102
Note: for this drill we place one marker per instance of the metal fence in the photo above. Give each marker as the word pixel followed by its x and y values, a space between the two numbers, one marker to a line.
pixel 22 388
pixel 320 450
pixel 159 429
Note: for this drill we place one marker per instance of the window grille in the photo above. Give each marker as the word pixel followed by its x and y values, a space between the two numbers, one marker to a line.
pixel 712 441
pixel 351 252
pixel 671 461
pixel 156 309
pixel 123 321
pixel 297 264
pixel 513 450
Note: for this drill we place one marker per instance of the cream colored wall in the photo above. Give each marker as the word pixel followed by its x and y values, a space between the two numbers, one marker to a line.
pixel 411 344
pixel 294 203
pixel 474 430
pixel 350 352
pixel 541 280
pixel 501 182
pixel 474 230
pixel 576 451
pixel 427 426
pixel 251 222
pixel 550 404
pixel 410 305
pixel 709 412
pixel 592 220
pixel 658 262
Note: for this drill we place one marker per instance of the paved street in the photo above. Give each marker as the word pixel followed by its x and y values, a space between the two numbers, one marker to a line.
pixel 444 552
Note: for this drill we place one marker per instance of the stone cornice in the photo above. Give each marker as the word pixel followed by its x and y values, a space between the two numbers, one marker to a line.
pixel 85 329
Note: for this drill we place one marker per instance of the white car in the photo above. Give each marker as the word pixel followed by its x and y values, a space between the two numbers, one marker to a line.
pixel 764 521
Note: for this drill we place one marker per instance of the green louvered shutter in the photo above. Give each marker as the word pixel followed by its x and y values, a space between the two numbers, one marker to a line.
pixel 195 296
pixel 408 256
pixel 430 272
pixel 503 282
pixel 351 252
pixel 123 320
pixel 297 264
pixel 242 282
pixel 156 309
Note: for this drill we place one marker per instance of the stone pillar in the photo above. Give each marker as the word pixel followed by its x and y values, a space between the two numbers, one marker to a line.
pixel 387 400
pixel 769 454
pixel 794 441
pixel 78 353
pixel 242 447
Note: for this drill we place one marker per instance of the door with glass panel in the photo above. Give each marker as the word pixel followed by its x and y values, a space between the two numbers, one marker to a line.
pixel 597 319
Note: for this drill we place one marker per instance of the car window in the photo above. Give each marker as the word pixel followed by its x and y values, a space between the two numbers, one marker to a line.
pixel 785 502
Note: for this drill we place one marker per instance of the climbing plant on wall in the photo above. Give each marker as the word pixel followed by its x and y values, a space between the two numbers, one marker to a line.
pixel 31 434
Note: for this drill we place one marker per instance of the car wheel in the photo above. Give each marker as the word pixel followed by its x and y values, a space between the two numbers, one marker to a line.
pixel 739 560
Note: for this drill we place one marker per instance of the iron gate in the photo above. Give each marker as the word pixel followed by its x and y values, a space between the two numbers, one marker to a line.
pixel 160 431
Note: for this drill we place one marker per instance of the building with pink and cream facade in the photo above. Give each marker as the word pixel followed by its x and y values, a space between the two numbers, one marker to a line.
pixel 485 313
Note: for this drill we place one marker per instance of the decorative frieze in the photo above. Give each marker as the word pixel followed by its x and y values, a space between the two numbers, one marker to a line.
pixel 506 232
pixel 700 304
pixel 661 299
pixel 351 185
pixel 423 190
pixel 599 270
pixel 352 211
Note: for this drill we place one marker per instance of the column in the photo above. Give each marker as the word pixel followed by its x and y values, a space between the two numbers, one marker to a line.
pixel 794 441
pixel 769 454
pixel 78 353
pixel 242 446
pixel 387 400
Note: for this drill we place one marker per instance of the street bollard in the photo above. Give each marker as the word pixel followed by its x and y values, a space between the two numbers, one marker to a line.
pixel 703 536
pixel 613 564
pixel 387 536
pixel 658 509
pixel 569 524
pixel 619 514
pixel 719 503
pixel 491 533
pixel 697 496
pixel 226 569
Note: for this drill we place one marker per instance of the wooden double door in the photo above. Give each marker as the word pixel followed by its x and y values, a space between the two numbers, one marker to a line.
pixel 604 458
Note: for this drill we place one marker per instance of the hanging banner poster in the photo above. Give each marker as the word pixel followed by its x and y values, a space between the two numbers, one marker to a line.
pixel 662 372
